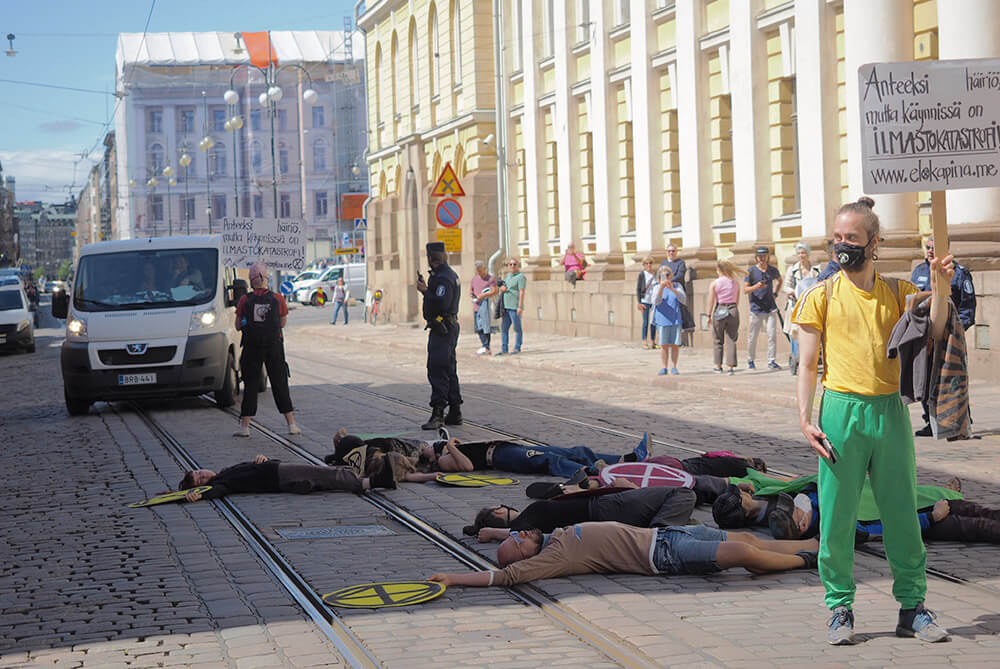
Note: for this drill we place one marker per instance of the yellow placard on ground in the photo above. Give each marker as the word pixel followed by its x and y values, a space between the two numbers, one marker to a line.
pixel 346 252
pixel 452 238
pixel 474 480
pixel 384 594
pixel 447 184
pixel 175 496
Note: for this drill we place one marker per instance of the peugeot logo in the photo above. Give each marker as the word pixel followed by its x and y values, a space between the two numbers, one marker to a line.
pixel 136 349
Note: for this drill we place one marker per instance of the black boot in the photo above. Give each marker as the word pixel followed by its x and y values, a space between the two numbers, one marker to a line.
pixel 436 420
pixel 454 416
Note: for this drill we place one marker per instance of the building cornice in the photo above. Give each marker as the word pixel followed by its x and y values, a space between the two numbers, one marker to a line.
pixel 663 58
pixel 776 15
pixel 470 118
pixel 714 39
pixel 375 11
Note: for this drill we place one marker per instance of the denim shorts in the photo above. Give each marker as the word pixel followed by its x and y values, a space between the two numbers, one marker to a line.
pixel 668 334
pixel 688 549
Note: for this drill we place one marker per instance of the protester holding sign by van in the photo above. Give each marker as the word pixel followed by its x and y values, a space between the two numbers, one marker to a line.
pixel 260 316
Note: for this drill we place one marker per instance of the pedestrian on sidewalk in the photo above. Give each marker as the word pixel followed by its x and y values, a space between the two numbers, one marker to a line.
pixel 645 286
pixel 341 295
pixel 798 279
pixel 761 288
pixel 260 316
pixel 723 314
pixel 514 284
pixel 574 263
pixel 482 287
pixel 442 295
pixel 668 299
pixel 864 429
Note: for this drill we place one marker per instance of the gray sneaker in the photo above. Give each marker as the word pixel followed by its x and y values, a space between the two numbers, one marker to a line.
pixel 919 622
pixel 842 627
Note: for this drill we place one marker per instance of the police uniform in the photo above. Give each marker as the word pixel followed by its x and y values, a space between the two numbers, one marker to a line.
pixel 440 310
pixel 963 293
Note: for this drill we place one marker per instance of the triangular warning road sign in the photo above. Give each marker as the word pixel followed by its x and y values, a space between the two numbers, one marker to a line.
pixel 447 184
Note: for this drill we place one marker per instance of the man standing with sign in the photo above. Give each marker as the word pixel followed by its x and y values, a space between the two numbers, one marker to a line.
pixel 441 299
pixel 864 428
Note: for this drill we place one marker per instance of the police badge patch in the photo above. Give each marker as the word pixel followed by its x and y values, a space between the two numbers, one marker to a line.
pixel 440 291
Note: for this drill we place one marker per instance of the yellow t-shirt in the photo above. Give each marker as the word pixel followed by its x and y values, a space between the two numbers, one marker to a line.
pixel 857 333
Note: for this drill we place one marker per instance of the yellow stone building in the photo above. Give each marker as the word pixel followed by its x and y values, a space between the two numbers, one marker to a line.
pixel 715 125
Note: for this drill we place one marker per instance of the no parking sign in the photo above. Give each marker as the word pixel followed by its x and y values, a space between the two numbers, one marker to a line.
pixel 448 212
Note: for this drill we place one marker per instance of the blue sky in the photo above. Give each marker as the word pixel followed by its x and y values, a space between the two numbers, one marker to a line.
pixel 44 131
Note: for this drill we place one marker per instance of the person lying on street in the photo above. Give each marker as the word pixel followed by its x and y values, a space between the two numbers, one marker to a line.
pixel 616 548
pixel 641 507
pixel 264 475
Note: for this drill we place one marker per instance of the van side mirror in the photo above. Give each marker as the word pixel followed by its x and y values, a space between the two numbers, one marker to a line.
pixel 60 304
pixel 236 291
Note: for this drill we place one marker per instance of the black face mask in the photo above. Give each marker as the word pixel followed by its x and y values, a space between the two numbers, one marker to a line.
pixel 850 256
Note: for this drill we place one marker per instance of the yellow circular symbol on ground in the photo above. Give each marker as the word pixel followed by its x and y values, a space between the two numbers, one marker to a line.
pixel 384 594
pixel 175 496
pixel 474 480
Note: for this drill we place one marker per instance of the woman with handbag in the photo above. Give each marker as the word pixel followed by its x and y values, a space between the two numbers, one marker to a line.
pixel 723 315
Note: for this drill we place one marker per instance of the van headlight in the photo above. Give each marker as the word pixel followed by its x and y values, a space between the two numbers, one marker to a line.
pixel 76 327
pixel 23 325
pixel 202 320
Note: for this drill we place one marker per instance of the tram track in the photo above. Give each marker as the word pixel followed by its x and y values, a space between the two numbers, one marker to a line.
pixel 867 550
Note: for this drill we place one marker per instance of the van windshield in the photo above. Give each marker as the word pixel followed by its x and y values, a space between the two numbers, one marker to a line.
pixel 146 279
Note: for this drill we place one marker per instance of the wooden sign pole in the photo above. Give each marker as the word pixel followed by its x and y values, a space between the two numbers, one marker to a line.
pixel 939 220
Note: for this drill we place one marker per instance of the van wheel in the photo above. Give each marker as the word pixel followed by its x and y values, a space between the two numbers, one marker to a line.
pixel 75 405
pixel 318 299
pixel 226 396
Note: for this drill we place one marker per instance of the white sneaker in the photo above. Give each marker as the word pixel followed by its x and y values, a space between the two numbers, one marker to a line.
pixel 294 429
pixel 482 350
pixel 242 432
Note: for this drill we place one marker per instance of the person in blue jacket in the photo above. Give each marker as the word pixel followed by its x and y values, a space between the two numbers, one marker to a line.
pixel 963 294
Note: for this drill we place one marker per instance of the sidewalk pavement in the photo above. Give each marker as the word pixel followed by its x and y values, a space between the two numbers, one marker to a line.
pixel 628 362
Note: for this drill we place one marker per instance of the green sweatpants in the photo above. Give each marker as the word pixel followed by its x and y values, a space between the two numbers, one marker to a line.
pixel 872 436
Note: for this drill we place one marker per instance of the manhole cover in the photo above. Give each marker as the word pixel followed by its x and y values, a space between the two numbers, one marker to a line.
pixel 336 532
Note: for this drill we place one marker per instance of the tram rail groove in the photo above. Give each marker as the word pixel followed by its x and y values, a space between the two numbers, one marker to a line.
pixel 350 647
pixel 932 571
pixel 613 647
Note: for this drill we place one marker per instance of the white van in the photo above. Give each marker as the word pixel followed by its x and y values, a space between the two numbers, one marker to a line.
pixel 150 318
pixel 319 290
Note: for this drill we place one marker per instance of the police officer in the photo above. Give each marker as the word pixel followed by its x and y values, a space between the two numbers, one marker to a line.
pixel 963 295
pixel 441 298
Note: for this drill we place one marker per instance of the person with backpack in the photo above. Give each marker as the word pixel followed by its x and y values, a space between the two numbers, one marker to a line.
pixel 260 316
pixel 864 428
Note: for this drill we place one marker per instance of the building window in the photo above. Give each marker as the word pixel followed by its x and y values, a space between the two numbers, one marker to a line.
pixel 283 159
pixel 583 21
pixel 156 207
pixel 456 43
pixel 319 156
pixel 258 205
pixel 622 14
pixel 256 157
pixel 154 121
pixel 548 29
pixel 378 83
pixel 318 119
pixel 255 119
pixel 414 67
pixel 286 206
pixel 156 159
pixel 394 65
pixel 219 120
pixel 217 160
pixel 519 34
pixel 187 209
pixel 320 204
pixel 282 119
pixel 219 206
pixel 187 121
pixel 434 51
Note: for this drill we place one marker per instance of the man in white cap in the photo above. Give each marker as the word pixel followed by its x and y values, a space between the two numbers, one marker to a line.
pixel 261 315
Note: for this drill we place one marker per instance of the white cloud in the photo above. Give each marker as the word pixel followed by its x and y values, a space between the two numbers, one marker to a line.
pixel 47 174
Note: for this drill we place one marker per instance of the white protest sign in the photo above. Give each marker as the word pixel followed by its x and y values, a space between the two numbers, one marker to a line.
pixel 279 242
pixel 930 125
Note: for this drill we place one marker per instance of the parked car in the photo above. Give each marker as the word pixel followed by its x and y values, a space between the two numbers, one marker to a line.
pixel 149 318
pixel 320 290
pixel 16 319
pixel 300 281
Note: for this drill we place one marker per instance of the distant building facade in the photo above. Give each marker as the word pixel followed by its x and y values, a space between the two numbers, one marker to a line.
pixel 174 107
pixel 47 234
pixel 8 228
pixel 97 212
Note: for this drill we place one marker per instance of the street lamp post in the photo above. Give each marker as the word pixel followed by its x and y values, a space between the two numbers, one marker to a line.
pixel 168 172
pixel 206 145
pixel 233 125
pixel 131 205
pixel 185 160
pixel 270 99
pixel 152 183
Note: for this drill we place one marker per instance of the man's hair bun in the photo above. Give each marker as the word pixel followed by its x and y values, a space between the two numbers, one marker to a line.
pixel 866 201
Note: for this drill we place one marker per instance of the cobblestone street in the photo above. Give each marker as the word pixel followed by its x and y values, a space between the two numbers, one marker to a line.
pixel 89 582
